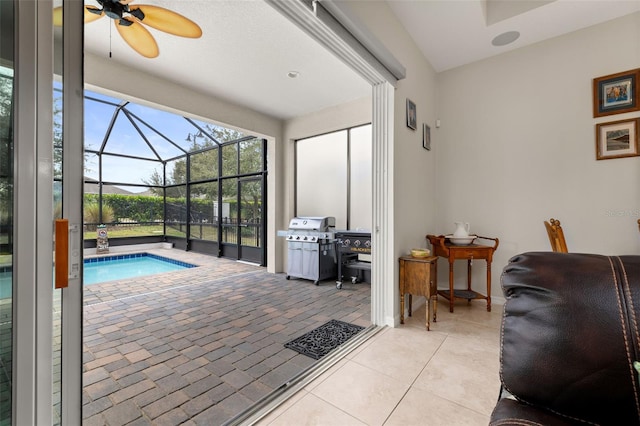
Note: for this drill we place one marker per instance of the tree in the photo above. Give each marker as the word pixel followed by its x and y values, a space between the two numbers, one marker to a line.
pixel 204 165
pixel 238 158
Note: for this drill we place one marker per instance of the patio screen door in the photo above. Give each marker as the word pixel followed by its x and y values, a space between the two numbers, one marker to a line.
pixel 250 224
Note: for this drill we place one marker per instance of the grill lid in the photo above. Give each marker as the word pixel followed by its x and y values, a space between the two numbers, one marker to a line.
pixel 313 223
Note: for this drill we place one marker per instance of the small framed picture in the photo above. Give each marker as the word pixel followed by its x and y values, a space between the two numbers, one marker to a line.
pixel 411 114
pixel 616 93
pixel 426 137
pixel 617 139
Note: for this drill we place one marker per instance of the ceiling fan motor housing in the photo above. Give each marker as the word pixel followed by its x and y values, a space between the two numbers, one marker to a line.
pixel 115 10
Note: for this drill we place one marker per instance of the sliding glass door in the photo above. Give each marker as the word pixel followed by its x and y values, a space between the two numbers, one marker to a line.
pixel 6 209
pixel 40 137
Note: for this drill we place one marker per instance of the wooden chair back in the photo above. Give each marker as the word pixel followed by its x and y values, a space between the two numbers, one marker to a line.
pixel 556 235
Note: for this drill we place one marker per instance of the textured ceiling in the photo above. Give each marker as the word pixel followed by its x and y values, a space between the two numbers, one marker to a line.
pixel 451 33
pixel 244 55
pixel 247 48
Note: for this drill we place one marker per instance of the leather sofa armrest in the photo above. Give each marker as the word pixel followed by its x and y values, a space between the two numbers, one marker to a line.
pixel 510 412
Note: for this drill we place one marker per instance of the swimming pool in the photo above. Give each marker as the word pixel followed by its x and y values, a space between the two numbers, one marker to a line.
pixel 5 284
pixel 110 268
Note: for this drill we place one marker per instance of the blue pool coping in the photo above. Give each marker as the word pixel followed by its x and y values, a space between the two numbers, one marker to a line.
pixel 138 255
pixel 9 268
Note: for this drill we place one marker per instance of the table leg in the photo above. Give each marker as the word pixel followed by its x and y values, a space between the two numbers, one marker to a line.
pixel 451 296
pixel 435 307
pixel 401 282
pixel 488 286
pixel 427 308
pixel 469 264
pixel 410 302
pixel 434 279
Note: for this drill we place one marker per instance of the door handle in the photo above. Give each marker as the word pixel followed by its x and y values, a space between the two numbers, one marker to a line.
pixel 62 253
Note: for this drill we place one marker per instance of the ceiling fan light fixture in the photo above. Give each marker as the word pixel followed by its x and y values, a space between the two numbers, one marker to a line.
pixel 113 10
pixel 505 38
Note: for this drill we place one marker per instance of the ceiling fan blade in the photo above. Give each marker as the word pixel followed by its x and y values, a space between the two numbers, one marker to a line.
pixel 125 2
pixel 57 16
pixel 166 20
pixel 89 15
pixel 139 38
pixel 92 13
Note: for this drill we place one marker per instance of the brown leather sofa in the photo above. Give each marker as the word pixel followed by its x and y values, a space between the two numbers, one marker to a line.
pixel 570 334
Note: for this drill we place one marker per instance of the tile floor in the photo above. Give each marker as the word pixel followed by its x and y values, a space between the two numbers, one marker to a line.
pixel 408 376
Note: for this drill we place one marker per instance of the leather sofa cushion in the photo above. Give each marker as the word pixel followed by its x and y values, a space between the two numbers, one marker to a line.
pixel 570 333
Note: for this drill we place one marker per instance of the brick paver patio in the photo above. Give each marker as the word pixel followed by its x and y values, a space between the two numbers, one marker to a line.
pixel 198 346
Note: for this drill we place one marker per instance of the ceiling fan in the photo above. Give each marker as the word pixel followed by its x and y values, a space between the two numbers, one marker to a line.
pixel 129 20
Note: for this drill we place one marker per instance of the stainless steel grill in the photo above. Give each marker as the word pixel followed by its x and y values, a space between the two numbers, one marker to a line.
pixel 311 248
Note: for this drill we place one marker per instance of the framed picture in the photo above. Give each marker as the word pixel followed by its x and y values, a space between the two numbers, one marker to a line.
pixel 616 93
pixel 426 137
pixel 617 139
pixel 411 114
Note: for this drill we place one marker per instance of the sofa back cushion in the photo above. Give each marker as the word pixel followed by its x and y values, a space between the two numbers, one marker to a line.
pixel 570 334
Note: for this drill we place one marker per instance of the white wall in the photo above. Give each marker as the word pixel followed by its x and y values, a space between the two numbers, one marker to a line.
pixel 331 119
pixel 145 88
pixel 414 168
pixel 517 146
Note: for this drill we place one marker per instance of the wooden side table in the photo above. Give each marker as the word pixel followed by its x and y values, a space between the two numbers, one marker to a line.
pixel 443 248
pixel 419 276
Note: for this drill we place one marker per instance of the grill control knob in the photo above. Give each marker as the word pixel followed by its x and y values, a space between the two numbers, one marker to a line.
pixel 304 239
pixel 298 237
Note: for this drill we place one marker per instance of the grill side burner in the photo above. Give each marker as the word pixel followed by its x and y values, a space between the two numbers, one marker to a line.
pixel 310 248
pixel 348 245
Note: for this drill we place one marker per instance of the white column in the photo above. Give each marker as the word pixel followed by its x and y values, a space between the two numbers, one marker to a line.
pixel 383 285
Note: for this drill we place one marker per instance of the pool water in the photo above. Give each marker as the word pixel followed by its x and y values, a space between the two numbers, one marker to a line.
pixel 110 268
pixel 5 284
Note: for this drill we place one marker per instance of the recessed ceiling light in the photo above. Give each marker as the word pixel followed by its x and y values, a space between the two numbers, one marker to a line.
pixel 293 74
pixel 505 38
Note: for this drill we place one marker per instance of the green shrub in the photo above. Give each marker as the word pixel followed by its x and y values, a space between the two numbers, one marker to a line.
pixel 138 208
pixel 92 215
